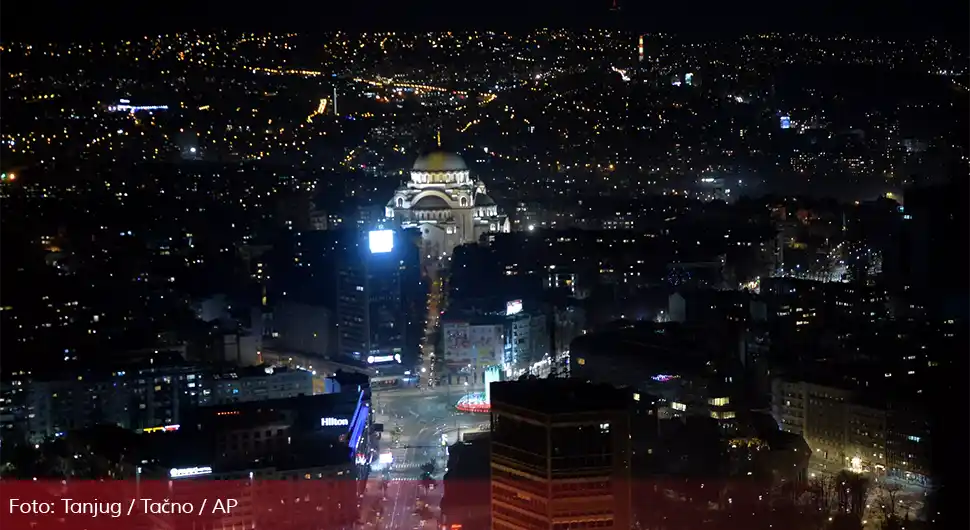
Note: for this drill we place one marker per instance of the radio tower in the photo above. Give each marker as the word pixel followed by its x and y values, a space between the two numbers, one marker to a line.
pixel 616 6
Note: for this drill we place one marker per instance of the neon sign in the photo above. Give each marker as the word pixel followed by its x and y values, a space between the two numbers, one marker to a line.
pixel 166 428
pixel 189 472
pixel 334 422
pixel 663 378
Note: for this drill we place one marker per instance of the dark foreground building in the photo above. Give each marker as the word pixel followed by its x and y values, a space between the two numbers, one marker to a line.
pixel 560 455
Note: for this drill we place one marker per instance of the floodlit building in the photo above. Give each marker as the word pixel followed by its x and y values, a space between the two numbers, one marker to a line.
pixel 448 206
pixel 846 431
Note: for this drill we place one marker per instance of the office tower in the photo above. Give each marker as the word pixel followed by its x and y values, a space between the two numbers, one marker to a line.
pixel 372 311
pixel 934 275
pixel 560 455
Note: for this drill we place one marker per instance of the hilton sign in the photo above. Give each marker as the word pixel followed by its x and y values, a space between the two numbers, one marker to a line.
pixel 334 422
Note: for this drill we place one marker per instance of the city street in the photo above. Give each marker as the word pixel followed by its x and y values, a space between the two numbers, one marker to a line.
pixel 416 421
pixel 419 425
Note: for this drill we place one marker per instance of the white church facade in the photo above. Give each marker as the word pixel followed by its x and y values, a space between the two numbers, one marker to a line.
pixel 445 204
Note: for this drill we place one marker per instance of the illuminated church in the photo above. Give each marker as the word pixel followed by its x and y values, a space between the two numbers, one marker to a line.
pixel 445 204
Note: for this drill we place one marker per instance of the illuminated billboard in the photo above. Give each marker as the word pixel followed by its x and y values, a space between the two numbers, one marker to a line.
pixel 513 308
pixel 380 241
pixel 375 359
pixel 785 122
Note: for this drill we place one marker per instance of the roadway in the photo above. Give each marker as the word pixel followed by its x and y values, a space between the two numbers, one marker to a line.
pixel 415 423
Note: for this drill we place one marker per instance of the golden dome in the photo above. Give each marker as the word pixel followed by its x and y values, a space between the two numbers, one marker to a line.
pixel 440 161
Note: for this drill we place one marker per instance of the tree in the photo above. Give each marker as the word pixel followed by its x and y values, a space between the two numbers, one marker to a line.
pixel 21 461
pixel 888 506
pixel 428 468
pixel 821 497
pixel 851 494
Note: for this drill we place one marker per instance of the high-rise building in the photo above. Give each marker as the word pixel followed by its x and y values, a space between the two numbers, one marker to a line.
pixel 934 275
pixel 372 311
pixel 560 455
pixel 527 338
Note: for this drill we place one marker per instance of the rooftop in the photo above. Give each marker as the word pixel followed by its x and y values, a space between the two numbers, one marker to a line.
pixel 440 161
pixel 558 396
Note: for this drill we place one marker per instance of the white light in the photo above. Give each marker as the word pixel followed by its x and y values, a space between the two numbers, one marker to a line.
pixel 385 458
pixel 189 472
pixel 372 359
pixel 381 241
pixel 514 307
pixel 192 149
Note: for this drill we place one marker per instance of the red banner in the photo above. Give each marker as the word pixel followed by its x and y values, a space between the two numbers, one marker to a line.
pixel 306 503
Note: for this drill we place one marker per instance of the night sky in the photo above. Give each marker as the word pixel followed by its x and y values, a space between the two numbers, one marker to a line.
pixel 72 19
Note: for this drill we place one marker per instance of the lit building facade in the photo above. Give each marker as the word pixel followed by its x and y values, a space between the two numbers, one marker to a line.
pixel 470 346
pixel 844 432
pixel 448 206
pixel 149 399
pixel 527 341
pixel 519 341
pixel 297 463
